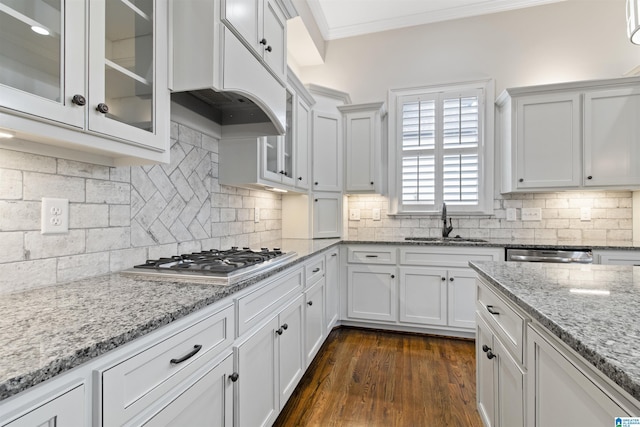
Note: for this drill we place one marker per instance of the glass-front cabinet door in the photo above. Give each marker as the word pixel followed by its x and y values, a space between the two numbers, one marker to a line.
pixel 272 158
pixel 287 143
pixel 42 59
pixel 124 79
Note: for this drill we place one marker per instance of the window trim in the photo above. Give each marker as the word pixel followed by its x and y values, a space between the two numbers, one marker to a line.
pixel 486 149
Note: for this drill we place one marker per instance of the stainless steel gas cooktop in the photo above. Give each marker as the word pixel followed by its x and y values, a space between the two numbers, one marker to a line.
pixel 216 266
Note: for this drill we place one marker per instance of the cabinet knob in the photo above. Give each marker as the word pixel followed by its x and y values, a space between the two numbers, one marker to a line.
pixel 315 200
pixel 393 276
pixel 589 177
pixel 521 180
pixel 315 183
pixel 268 49
pixel 299 178
pixel 79 100
pixel 234 377
pixel 451 279
pixel 285 326
pixel 310 303
pixel 263 42
pixel 485 348
pixel 490 354
pixel 371 182
pixel 443 279
pixel 279 331
pixel 103 108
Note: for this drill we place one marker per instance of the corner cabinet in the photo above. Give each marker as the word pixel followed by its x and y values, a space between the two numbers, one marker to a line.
pixel 579 135
pixel 365 148
pixel 118 109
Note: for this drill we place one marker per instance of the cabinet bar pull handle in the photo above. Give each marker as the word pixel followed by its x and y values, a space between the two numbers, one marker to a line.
pixel 196 348
pixel 234 377
pixel 315 270
pixel 334 254
pixel 371 256
pixel 491 310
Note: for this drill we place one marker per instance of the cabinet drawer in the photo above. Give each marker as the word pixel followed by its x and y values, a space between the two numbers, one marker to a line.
pixel 314 271
pixel 507 323
pixel 439 256
pixel 141 380
pixel 371 255
pixel 65 410
pixel 262 302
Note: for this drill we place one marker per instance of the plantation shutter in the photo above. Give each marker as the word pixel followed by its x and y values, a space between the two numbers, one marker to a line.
pixel 441 141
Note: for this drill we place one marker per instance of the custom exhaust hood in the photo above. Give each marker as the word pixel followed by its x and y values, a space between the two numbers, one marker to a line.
pixel 217 76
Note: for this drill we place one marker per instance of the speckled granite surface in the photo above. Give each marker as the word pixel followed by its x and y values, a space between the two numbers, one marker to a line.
pixel 592 308
pixel 46 331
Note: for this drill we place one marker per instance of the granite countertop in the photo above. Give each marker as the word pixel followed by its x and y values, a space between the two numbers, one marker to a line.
pixel 47 331
pixel 592 308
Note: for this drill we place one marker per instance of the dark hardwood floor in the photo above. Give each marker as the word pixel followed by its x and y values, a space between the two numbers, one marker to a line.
pixel 370 378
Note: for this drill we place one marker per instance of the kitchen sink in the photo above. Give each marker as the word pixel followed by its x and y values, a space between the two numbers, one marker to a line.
pixel 456 239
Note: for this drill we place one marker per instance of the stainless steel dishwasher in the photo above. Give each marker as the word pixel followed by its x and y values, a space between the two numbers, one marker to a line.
pixel 581 255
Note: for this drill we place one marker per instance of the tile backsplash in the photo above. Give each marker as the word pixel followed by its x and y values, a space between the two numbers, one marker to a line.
pixel 122 216
pixel 610 224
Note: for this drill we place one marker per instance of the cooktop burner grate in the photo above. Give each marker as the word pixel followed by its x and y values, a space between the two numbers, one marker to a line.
pixel 214 261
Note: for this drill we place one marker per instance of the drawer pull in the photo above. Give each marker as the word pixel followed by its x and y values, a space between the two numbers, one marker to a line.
pixel 490 354
pixel 196 348
pixel 234 377
pixel 334 254
pixel 315 270
pixel 371 256
pixel 492 311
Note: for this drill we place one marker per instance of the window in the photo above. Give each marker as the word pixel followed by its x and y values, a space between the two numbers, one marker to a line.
pixel 442 152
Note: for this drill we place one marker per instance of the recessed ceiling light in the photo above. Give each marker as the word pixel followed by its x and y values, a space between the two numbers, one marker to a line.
pixel 40 30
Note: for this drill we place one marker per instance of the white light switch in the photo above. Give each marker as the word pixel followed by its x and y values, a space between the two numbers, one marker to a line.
pixel 531 214
pixel 376 214
pixel 511 214
pixel 354 214
pixel 585 214
pixel 54 216
pixel 256 215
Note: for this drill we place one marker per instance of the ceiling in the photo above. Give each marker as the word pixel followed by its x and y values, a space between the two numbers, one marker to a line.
pixel 346 18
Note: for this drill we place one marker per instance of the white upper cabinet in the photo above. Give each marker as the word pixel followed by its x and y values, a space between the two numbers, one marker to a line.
pixel 612 137
pixel 546 131
pixel 327 152
pixel 113 102
pixel 262 25
pixel 365 148
pixel 571 136
pixel 40 74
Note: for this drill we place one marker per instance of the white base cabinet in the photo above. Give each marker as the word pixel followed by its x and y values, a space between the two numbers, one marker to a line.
pixel 207 403
pixel 332 292
pixel 371 293
pixel 559 393
pixel 66 410
pixel 269 364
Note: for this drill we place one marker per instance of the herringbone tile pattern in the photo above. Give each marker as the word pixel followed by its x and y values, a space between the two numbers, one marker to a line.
pixel 171 203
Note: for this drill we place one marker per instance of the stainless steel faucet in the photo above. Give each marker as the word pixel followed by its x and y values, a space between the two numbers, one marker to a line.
pixel 445 230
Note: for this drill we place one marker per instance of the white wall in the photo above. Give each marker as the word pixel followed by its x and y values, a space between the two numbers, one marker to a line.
pixel 572 40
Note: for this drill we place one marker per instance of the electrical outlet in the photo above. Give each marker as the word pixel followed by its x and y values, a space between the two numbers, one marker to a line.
pixel 511 214
pixel 585 214
pixel 354 214
pixel 376 214
pixel 531 214
pixel 256 215
pixel 55 216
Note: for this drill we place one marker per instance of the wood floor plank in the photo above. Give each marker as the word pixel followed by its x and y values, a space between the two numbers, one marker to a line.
pixel 375 378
